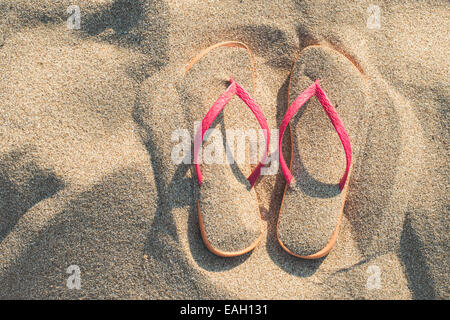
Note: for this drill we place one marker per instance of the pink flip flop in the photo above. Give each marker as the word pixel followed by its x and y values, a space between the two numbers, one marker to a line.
pixel 228 212
pixel 307 205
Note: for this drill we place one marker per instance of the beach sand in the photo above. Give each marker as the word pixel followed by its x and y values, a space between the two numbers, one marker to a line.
pixel 86 176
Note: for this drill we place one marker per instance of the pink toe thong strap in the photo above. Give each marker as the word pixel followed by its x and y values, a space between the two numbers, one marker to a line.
pixel 316 90
pixel 233 89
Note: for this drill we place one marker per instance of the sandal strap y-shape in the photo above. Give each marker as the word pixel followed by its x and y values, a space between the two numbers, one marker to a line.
pixel 316 90
pixel 233 89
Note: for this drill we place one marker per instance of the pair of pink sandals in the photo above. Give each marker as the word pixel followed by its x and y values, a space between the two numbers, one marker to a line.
pixel 314 90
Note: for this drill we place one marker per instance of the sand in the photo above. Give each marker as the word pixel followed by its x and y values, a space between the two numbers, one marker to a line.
pixel 86 119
